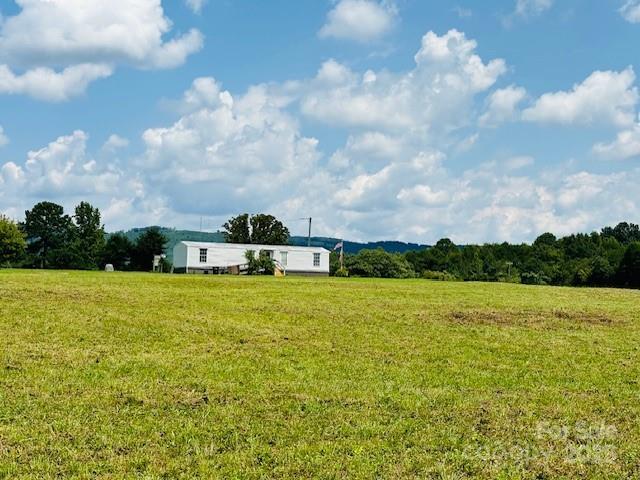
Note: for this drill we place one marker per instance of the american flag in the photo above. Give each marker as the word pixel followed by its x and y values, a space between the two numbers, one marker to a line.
pixel 339 246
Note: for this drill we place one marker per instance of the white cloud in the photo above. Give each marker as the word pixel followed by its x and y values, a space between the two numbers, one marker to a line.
pixel 196 5
pixel 61 168
pixel 603 98
pixel 360 20
pixel 467 143
pixel 625 146
pixel 65 172
pixel 114 143
pixel 3 137
pixel 630 11
pixel 516 163
pixel 395 176
pixel 47 84
pixel 228 154
pixel 502 106
pixel 52 50
pixel 424 195
pixel 528 8
pixel 435 95
pixel 525 10
pixel 463 12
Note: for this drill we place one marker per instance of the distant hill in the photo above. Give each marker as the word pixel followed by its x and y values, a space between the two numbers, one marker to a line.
pixel 355 247
pixel 175 236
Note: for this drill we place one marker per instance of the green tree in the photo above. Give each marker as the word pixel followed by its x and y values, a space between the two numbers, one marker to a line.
pixel 629 270
pixel 237 229
pixel 12 243
pixel 268 230
pixel 118 251
pixel 624 232
pixel 258 229
pixel 378 264
pixel 49 231
pixel 602 273
pixel 152 242
pixel 89 238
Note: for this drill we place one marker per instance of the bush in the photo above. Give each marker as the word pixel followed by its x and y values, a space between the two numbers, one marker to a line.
pixel 261 265
pixel 440 276
pixel 532 278
pixel 341 272
pixel 379 264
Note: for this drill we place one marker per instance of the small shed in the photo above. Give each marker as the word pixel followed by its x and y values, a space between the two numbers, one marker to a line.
pixel 219 258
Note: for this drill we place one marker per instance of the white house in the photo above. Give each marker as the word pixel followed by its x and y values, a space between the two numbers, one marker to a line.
pixel 208 258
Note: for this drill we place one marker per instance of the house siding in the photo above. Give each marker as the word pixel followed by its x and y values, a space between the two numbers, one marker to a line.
pixel 224 255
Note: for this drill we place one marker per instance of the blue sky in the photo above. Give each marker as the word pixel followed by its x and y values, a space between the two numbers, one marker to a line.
pixel 382 119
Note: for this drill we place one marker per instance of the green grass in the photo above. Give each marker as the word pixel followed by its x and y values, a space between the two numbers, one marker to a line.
pixel 143 376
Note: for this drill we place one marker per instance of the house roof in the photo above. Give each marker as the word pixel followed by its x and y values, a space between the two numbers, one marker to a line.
pixel 245 246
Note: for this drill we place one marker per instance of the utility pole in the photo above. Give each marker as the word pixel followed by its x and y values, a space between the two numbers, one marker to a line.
pixel 309 237
pixel 509 264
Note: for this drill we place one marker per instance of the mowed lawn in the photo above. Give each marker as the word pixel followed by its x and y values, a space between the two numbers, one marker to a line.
pixel 160 376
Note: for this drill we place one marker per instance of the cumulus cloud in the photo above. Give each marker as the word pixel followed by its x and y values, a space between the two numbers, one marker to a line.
pixel 228 153
pixel 46 84
pixel 395 176
pixel 60 168
pixel 52 50
pixel 3 138
pixel 65 172
pixel 360 20
pixel 607 97
pixel 625 146
pixel 114 143
pixel 502 106
pixel 630 11
pixel 436 94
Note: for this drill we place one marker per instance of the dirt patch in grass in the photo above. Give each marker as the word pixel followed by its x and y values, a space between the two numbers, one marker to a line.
pixel 530 317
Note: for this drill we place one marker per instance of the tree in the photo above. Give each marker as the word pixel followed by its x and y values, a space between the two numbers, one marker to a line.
pixel 629 270
pixel 378 264
pixel 12 243
pixel 602 273
pixel 152 242
pixel 268 230
pixel 118 251
pixel 258 229
pixel 624 232
pixel 89 241
pixel 237 229
pixel 48 231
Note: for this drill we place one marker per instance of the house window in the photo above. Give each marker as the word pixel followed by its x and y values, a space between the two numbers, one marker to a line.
pixel 203 255
pixel 316 259
pixel 283 258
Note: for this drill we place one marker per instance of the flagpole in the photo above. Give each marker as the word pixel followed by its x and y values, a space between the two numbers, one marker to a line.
pixel 342 254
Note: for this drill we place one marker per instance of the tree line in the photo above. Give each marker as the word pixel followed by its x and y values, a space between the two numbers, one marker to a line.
pixel 609 258
pixel 48 238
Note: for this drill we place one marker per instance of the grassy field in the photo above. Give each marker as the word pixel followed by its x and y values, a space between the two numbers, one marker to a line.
pixel 143 376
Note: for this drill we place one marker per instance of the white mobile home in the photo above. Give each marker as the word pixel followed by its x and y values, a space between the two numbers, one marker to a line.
pixel 211 258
